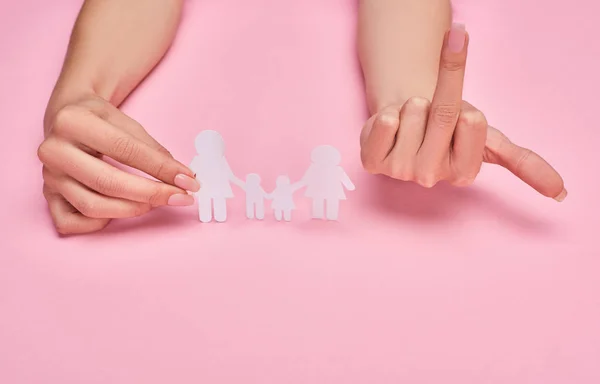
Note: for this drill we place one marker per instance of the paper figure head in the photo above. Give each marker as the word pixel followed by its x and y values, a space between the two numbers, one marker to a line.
pixel 282 180
pixel 325 155
pixel 210 144
pixel 253 179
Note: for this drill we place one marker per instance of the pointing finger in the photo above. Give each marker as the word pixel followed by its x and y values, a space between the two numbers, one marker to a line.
pixel 525 164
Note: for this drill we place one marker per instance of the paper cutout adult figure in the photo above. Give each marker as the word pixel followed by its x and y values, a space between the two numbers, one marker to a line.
pixel 255 197
pixel 214 175
pixel 283 198
pixel 325 181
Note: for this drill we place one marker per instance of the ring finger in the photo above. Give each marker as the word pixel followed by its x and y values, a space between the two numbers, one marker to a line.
pixel 413 123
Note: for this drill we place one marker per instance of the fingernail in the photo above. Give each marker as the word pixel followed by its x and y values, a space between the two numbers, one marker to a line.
pixel 457 37
pixel 562 196
pixel 180 200
pixel 187 183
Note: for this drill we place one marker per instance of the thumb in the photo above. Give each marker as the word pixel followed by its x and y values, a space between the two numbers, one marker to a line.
pixel 525 164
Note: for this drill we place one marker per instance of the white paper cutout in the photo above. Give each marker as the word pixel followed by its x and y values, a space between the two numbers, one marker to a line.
pixel 325 181
pixel 214 175
pixel 283 198
pixel 255 197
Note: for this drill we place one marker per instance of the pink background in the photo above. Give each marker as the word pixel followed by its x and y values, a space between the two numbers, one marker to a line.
pixel 491 284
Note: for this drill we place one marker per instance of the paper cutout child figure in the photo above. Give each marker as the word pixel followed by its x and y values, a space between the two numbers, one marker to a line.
pixel 325 181
pixel 255 195
pixel 214 175
pixel 283 198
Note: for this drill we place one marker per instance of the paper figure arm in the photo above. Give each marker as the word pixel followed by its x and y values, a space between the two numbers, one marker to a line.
pixel 231 176
pixel 346 182
pixel 298 185
pixel 268 196
pixel 303 182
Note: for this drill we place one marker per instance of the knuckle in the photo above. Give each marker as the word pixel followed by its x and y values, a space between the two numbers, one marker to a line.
pixel 473 119
pixel 64 227
pixel 161 169
pixel 401 172
pixel 463 181
pixel 107 185
pixel 522 160
pixel 44 151
pixel 64 119
pixel 165 151
pixel 427 180
pixel 125 149
pixel 369 163
pixel 417 104
pixel 140 209
pixel 445 114
pixel 87 208
pixel 453 65
pixel 156 197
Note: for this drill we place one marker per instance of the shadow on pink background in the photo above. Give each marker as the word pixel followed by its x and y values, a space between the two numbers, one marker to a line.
pixel 491 284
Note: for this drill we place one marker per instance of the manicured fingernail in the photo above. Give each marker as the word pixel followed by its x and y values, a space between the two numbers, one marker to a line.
pixel 457 37
pixel 187 183
pixel 180 200
pixel 562 196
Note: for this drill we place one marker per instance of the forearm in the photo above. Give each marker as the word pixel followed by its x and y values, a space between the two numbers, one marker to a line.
pixel 114 45
pixel 399 44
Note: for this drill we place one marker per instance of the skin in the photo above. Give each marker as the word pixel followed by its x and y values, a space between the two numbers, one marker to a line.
pixel 114 45
pixel 420 129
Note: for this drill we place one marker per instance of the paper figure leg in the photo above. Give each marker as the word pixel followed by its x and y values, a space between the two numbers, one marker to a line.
pixel 287 215
pixel 260 210
pixel 204 209
pixel 333 209
pixel 220 207
pixel 250 210
pixel 317 208
pixel 278 214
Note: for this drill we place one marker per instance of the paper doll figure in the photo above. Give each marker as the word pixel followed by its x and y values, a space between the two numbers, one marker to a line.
pixel 283 198
pixel 214 175
pixel 325 181
pixel 255 197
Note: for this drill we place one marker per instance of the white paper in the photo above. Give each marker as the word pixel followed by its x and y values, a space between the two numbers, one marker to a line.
pixel 325 182
pixel 214 175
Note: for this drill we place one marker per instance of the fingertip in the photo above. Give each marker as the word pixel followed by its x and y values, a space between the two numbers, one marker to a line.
pixel 187 183
pixel 561 196
pixel 180 200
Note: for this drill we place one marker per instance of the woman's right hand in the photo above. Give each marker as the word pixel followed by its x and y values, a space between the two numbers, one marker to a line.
pixel 84 192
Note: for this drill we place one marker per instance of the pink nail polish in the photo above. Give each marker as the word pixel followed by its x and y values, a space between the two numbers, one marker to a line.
pixel 180 200
pixel 187 183
pixel 457 37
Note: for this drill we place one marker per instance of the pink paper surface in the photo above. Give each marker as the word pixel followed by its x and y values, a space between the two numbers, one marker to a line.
pixel 490 284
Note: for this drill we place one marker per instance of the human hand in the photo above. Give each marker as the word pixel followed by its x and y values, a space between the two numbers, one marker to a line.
pixel 448 138
pixel 84 192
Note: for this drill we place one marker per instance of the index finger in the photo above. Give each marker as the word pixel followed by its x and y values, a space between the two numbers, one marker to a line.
pixel 447 99
pixel 100 135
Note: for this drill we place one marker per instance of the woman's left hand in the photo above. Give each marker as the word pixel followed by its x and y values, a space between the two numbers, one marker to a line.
pixel 448 138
